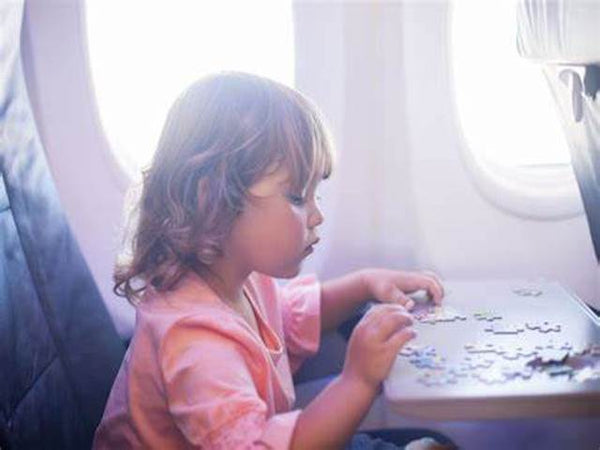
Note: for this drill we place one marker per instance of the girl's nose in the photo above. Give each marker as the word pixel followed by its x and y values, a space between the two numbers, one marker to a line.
pixel 316 217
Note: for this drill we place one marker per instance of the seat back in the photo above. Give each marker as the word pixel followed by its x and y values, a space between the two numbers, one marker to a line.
pixel 59 350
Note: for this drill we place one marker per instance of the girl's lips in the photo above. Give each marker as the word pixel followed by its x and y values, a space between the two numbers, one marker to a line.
pixel 308 250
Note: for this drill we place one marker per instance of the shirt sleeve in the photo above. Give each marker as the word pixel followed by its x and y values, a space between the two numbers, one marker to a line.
pixel 301 311
pixel 213 395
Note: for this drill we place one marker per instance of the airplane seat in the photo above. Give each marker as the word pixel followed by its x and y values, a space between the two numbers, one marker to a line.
pixel 563 37
pixel 59 350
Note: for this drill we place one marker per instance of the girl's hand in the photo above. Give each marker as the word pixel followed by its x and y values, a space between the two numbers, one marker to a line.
pixel 391 286
pixel 375 343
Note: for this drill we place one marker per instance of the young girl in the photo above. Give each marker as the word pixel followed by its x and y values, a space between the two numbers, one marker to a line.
pixel 228 205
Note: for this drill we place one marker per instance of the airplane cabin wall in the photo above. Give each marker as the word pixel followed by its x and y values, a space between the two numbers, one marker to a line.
pixel 401 194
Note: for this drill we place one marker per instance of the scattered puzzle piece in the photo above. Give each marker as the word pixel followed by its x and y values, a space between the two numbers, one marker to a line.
pixel 497 328
pixel 543 327
pixel 484 348
pixel 436 379
pixel 460 370
pixel 559 370
pixel 517 353
pixel 408 350
pixel 592 350
pixel 487 316
pixel 478 362
pixel 548 357
pixel 439 314
pixel 428 361
pixel 493 376
pixel 586 374
pixel 528 292
pixel 566 346
pixel 521 371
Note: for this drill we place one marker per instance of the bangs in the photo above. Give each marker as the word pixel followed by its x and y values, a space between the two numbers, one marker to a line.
pixel 309 157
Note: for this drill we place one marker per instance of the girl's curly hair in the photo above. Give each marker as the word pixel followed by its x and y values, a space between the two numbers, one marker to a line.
pixel 221 135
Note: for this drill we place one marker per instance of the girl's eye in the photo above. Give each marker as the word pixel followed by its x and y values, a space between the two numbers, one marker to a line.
pixel 296 200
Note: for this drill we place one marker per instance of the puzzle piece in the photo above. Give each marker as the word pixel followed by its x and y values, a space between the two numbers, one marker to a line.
pixel 420 296
pixel 554 371
pixel 438 314
pixel 428 361
pixel 517 353
pixel 592 350
pixel 543 327
pixel 475 362
pixel 521 371
pixel 423 357
pixel 502 329
pixel 549 345
pixel 549 357
pixel 566 346
pixel 460 370
pixel 408 350
pixel 487 316
pixel 436 379
pixel 586 374
pixel 493 376
pixel 528 292
pixel 484 348
pixel 417 350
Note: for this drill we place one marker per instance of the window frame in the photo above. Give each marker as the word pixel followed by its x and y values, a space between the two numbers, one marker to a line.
pixel 546 192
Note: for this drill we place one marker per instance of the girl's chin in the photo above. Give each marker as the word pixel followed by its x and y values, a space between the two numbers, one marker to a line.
pixel 289 272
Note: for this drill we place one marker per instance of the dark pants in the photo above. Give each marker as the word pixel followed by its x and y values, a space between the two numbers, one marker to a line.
pixel 395 439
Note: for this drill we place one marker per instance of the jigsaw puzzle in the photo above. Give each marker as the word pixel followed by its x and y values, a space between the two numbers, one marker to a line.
pixel 497 362
pixel 494 347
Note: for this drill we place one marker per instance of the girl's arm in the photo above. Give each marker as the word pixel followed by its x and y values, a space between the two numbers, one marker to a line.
pixel 329 421
pixel 341 296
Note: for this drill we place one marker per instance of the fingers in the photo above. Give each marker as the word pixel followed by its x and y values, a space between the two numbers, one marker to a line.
pixel 391 286
pixel 393 321
pixel 432 284
pixel 399 297
pixel 390 292
pixel 386 319
pixel 437 291
pixel 400 338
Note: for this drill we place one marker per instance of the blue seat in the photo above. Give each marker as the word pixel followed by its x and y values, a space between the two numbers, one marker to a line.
pixel 59 351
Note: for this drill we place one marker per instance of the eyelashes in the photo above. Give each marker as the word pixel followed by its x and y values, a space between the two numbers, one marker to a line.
pixel 296 200
pixel 300 200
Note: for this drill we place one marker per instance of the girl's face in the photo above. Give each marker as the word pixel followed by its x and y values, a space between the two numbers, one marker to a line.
pixel 277 228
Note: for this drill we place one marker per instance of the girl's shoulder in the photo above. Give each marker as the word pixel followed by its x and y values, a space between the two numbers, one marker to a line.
pixel 191 304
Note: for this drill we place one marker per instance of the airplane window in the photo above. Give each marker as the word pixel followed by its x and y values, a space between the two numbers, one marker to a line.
pixel 143 53
pixel 507 114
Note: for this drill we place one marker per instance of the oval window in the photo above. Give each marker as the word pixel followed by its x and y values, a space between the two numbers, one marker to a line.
pixel 506 109
pixel 508 117
pixel 144 53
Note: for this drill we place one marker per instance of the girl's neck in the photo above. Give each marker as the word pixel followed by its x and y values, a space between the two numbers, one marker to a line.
pixel 227 282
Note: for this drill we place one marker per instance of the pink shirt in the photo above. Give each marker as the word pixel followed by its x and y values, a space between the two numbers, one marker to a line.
pixel 196 375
